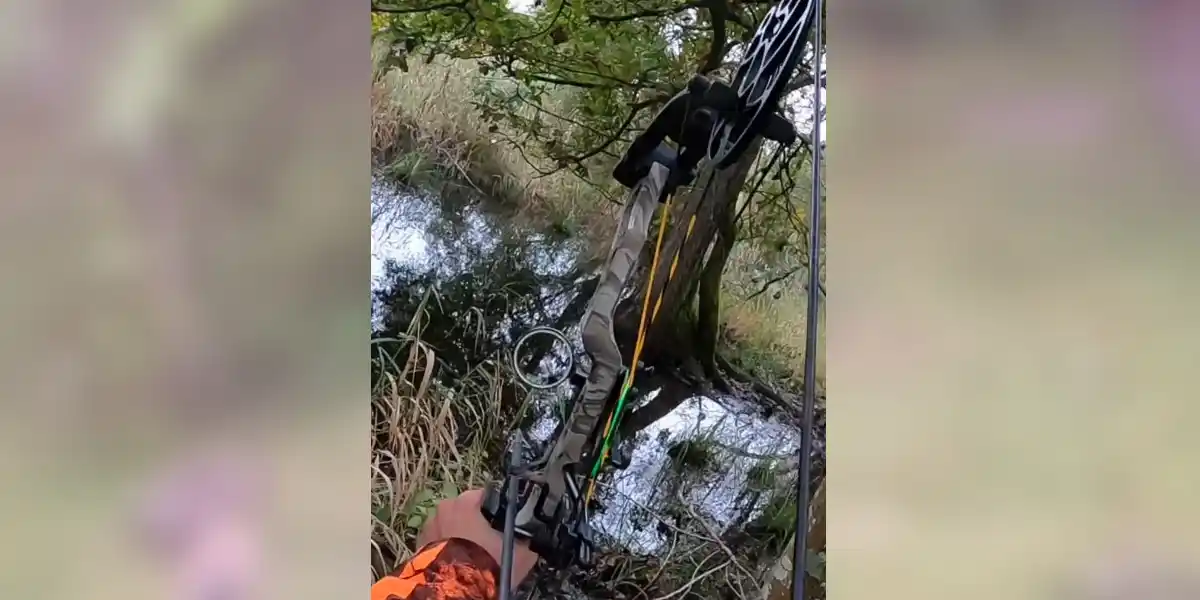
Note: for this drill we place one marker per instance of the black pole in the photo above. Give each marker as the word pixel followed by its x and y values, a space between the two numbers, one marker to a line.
pixel 800 558
pixel 510 520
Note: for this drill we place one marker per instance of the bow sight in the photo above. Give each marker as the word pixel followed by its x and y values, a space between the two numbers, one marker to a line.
pixel 547 500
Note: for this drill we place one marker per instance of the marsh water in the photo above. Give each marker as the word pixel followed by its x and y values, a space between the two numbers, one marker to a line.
pixel 492 273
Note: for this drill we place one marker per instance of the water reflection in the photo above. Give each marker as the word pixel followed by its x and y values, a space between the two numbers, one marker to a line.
pixel 740 440
pixel 470 282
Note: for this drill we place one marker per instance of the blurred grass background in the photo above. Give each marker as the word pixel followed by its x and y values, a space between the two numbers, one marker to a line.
pixel 184 188
pixel 1012 329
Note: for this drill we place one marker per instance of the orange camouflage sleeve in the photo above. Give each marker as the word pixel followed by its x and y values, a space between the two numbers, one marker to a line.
pixel 453 569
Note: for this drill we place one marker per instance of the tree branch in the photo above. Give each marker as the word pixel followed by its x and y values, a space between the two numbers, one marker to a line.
pixel 754 190
pixel 718 13
pixel 395 10
pixel 567 82
pixel 759 387
pixel 804 80
pixel 740 19
pixel 537 107
pixel 656 12
pixel 549 65
pixel 633 111
pixel 772 282
pixel 553 21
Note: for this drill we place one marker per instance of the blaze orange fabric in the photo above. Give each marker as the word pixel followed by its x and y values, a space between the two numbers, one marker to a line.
pixel 453 569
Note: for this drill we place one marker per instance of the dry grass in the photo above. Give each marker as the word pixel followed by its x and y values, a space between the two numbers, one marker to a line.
pixel 771 330
pixel 429 442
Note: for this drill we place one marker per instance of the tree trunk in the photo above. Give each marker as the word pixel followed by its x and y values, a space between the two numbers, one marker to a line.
pixel 708 306
pixel 710 194
pixel 670 396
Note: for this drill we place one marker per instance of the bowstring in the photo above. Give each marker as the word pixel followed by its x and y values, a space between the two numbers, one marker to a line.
pixel 674 263
pixel 614 417
pixel 610 425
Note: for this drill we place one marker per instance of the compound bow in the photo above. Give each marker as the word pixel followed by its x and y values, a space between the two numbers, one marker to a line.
pixel 547 501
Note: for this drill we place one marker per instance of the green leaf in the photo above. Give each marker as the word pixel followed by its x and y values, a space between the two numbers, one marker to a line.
pixel 816 565
pixel 384 513
pixel 449 490
pixel 415 521
pixel 422 498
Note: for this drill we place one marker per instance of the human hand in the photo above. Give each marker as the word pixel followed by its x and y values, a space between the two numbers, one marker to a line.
pixel 460 517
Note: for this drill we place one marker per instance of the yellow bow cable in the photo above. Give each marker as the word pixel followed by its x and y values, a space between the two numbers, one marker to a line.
pixel 614 416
